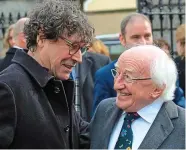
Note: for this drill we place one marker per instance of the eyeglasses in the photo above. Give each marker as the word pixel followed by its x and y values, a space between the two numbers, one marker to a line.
pixel 75 47
pixel 126 77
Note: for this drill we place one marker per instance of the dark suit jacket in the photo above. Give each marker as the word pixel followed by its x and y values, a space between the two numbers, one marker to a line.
pixel 181 72
pixel 6 61
pixel 104 82
pixel 166 132
pixel 90 64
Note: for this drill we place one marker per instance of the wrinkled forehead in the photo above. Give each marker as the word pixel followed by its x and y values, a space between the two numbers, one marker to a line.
pixel 134 62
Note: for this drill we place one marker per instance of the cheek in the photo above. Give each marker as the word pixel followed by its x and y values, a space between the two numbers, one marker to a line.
pixel 131 41
pixel 58 57
pixel 137 90
pixel 142 92
pixel 115 84
pixel 56 63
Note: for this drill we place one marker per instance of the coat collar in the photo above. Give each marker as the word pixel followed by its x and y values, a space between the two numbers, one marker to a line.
pixel 40 74
pixel 11 50
pixel 112 113
pixel 159 131
pixel 161 127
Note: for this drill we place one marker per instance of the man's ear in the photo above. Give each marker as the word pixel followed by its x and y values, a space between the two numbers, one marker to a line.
pixel 122 39
pixel 40 41
pixel 157 91
pixel 23 38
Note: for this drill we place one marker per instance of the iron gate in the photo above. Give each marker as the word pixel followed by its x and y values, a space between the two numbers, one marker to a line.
pixel 6 21
pixel 165 16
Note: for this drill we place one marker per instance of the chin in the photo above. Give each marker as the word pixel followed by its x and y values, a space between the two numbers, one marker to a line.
pixel 63 77
pixel 124 105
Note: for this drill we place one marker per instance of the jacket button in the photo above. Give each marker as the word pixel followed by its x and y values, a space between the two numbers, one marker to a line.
pixel 66 128
pixel 56 89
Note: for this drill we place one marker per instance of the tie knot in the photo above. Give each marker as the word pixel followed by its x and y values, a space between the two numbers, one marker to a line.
pixel 131 116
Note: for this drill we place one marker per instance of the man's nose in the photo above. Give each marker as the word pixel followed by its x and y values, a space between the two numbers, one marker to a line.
pixel 119 83
pixel 77 57
pixel 142 41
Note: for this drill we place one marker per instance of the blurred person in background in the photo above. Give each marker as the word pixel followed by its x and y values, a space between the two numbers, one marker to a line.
pixel 179 94
pixel 36 97
pixel 19 43
pixel 85 72
pixel 92 60
pixel 180 60
pixel 164 45
pixel 97 46
pixel 8 41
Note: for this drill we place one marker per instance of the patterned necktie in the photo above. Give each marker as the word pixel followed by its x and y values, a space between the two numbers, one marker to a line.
pixel 126 136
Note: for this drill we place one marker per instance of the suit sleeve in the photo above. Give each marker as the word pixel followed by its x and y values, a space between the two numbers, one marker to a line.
pixel 7 116
pixel 101 90
pixel 83 137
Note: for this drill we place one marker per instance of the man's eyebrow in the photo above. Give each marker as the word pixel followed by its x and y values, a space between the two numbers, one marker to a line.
pixel 130 70
pixel 135 35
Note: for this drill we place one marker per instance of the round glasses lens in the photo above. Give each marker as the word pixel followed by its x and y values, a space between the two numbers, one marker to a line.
pixel 114 72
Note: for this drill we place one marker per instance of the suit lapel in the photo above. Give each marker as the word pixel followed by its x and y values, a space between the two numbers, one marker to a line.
pixel 112 114
pixel 161 127
pixel 84 68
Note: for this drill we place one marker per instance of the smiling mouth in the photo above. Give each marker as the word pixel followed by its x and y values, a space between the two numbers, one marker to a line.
pixel 69 66
pixel 125 94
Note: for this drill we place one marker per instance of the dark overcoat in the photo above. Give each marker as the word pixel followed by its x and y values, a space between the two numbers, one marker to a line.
pixel 36 109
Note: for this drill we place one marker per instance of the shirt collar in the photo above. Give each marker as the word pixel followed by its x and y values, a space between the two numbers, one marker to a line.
pixel 149 112
pixel 17 47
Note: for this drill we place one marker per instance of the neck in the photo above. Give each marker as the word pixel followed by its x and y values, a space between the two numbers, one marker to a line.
pixel 37 57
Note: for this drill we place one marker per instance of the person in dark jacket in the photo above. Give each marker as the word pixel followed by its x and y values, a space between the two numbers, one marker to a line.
pixel 7 40
pixel 85 71
pixel 36 97
pixel 19 43
pixel 180 60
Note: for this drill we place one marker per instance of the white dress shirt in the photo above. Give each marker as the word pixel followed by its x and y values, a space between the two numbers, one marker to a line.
pixel 140 126
pixel 17 47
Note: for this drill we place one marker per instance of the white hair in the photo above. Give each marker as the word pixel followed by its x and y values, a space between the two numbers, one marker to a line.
pixel 164 73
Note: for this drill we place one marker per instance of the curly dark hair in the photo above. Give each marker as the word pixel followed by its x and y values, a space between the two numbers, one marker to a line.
pixel 55 18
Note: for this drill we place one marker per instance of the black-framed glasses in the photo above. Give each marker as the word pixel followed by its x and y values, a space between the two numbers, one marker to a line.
pixel 126 77
pixel 75 47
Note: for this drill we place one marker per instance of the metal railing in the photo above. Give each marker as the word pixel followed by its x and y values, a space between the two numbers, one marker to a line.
pixel 7 20
pixel 165 16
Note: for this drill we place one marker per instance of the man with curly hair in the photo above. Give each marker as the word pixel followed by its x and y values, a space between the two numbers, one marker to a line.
pixel 36 97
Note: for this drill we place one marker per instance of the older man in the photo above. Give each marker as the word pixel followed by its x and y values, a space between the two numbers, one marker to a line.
pixel 142 116
pixel 19 43
pixel 36 99
pixel 135 29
